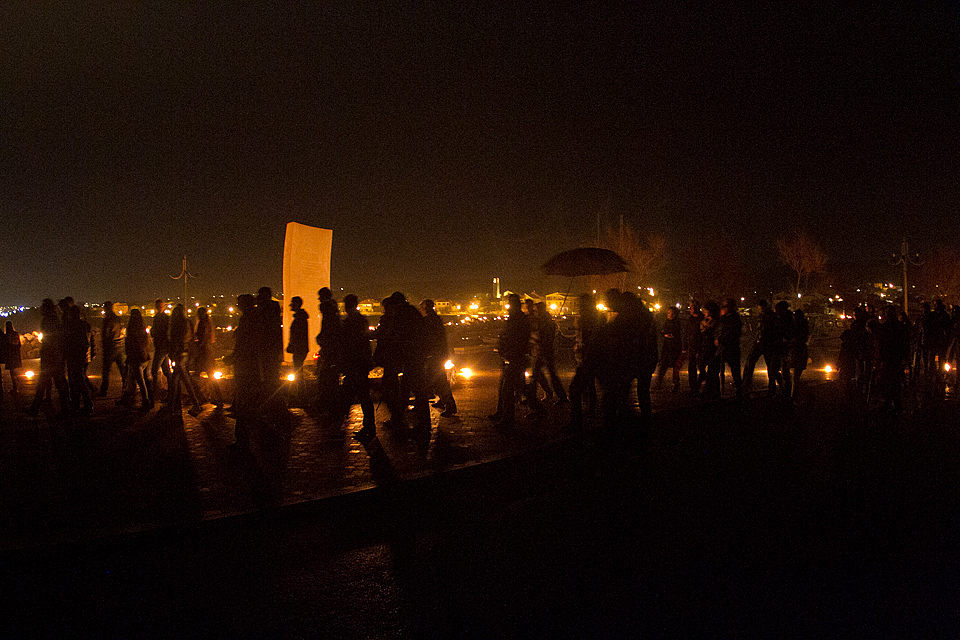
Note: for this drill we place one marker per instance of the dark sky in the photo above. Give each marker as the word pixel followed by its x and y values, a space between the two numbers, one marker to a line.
pixel 449 143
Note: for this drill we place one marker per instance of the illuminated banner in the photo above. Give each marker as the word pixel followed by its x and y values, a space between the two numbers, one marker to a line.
pixel 306 268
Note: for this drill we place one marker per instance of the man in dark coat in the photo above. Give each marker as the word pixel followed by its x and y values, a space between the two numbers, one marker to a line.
pixel 763 347
pixel 693 345
pixel 514 348
pixel 400 350
pixel 356 365
pixel 270 333
pixel 728 341
pixel 671 352
pixel 299 344
pixel 437 352
pixel 328 358
pixel 76 345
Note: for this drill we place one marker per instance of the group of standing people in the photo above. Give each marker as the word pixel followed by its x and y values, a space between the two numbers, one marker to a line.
pixel 621 348
pixel 612 350
pixel 411 348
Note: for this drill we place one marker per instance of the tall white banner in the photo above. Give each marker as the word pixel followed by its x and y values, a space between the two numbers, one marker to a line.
pixel 306 269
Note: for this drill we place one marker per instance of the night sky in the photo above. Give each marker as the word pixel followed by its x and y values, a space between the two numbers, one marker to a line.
pixel 446 144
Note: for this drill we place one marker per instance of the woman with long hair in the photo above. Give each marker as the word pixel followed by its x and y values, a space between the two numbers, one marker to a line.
pixel 181 333
pixel 203 362
pixel 135 346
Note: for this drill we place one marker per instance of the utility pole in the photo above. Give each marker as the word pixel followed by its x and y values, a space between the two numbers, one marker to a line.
pixel 184 274
pixel 905 258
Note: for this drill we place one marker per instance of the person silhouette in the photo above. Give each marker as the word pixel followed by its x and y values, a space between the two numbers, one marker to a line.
pixel 76 345
pixel 111 340
pixel 437 353
pixel 180 337
pixel 514 348
pixel 270 334
pixel 546 358
pixel 135 347
pixel 160 335
pixel 328 359
pixel 246 373
pixel 299 344
pixel 13 360
pixel 356 363
pixel 51 360
pixel 203 361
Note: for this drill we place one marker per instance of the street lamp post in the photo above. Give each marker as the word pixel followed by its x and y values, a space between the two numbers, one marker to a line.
pixel 905 258
pixel 184 274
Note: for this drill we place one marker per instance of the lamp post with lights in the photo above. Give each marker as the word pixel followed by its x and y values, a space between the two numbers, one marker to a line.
pixel 904 257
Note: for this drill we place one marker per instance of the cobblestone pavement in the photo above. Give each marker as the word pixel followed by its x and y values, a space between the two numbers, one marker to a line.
pixel 117 471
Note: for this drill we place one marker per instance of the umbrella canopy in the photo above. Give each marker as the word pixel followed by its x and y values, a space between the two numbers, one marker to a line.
pixel 586 261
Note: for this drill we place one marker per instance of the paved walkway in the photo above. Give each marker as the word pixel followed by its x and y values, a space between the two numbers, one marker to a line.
pixel 119 471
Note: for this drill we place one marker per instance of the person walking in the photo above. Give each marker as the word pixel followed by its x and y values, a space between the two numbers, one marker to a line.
pixel 514 348
pixel 246 374
pixel 693 342
pixel 203 339
pixel 584 384
pixel 437 353
pixel 135 347
pixel 728 342
pixel 270 333
pixel 13 360
pixel 180 336
pixel 763 346
pixel 111 341
pixel 328 360
pixel 76 346
pixel 299 344
pixel 797 352
pixel 671 351
pixel 356 363
pixel 546 355
pixel 51 361
pixel 160 335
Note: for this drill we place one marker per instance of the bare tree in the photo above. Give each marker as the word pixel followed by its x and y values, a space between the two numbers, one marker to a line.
pixel 939 274
pixel 644 256
pixel 803 255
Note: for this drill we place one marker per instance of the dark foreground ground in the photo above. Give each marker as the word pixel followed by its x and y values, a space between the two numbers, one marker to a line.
pixel 726 520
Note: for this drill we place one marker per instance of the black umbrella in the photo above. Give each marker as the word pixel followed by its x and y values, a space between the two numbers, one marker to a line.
pixel 586 261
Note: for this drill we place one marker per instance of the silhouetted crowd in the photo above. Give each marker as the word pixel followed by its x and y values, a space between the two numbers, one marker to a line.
pixel 618 353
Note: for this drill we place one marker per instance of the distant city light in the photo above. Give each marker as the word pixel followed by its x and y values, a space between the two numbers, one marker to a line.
pixel 291 377
pixel 217 375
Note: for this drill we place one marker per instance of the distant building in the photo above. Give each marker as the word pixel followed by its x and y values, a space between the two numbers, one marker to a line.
pixel 446 307
pixel 561 304
pixel 369 306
